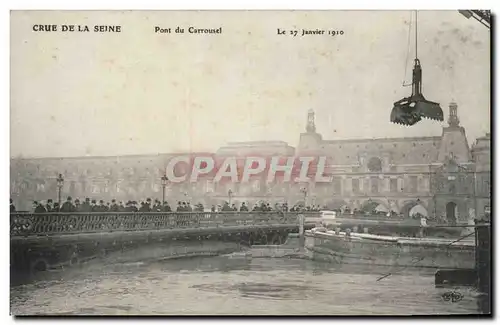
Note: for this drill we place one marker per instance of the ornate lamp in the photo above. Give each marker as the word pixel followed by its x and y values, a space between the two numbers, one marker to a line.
pixel 60 184
pixel 164 182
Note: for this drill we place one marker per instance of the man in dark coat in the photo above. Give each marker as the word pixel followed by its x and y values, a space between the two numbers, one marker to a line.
pixel 156 206
pixel 68 206
pixel 134 206
pixel 243 207
pixel 39 207
pixel 114 207
pixel 143 207
pixel 56 207
pixel 180 207
pixel 146 206
pixel 12 206
pixel 78 206
pixel 102 206
pixel 48 206
pixel 85 207
pixel 166 207
pixel 94 207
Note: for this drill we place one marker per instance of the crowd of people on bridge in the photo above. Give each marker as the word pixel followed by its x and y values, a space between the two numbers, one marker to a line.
pixel 149 205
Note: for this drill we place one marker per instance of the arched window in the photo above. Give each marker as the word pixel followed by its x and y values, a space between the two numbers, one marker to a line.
pixel 375 164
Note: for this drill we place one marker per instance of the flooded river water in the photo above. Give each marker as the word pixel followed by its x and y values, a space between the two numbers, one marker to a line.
pixel 235 286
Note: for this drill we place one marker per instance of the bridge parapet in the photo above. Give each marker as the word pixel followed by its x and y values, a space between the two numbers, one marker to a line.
pixel 47 224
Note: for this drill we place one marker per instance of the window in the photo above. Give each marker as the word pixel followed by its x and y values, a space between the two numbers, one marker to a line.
pixel 374 184
pixel 355 185
pixel 394 185
pixel 375 164
pixel 413 184
pixel 337 185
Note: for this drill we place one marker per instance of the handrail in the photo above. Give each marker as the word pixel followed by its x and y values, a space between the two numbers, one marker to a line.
pixel 45 224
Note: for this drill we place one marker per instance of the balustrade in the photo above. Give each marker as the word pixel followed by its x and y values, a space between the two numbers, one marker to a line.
pixel 45 224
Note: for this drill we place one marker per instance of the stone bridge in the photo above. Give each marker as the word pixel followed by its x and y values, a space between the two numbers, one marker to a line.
pixel 53 240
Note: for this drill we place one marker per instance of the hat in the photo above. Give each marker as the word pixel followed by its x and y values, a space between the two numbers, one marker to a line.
pixel 113 200
pixel 49 201
pixel 101 201
pixel 35 202
pixel 148 200
pixel 69 198
pixel 93 201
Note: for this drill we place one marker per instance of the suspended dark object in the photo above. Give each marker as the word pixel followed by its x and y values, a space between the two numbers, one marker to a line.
pixel 410 110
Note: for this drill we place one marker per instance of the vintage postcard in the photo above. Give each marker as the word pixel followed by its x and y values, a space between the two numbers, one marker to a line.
pixel 250 162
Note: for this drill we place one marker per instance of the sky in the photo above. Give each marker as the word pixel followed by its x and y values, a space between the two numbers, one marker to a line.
pixel 141 92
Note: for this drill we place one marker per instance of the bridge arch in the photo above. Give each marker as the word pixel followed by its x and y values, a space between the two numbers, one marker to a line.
pixel 335 204
pixel 412 207
pixel 374 204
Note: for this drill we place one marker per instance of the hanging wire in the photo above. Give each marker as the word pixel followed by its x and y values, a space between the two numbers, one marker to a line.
pixel 416 34
pixel 408 52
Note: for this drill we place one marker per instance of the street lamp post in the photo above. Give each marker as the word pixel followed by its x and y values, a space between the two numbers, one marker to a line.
pixel 164 181
pixel 229 194
pixel 304 191
pixel 60 183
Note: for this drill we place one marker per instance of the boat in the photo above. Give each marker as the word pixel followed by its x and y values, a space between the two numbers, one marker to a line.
pixel 360 248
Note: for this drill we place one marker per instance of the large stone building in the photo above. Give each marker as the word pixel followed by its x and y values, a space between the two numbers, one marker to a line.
pixel 440 175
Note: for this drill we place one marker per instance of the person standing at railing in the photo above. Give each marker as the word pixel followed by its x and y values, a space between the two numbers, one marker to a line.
pixel 68 206
pixel 48 206
pixel 243 207
pixel 145 206
pixel 166 207
pixel 56 207
pixel 114 207
pixel 12 206
pixel 77 205
pixel 94 207
pixel 102 207
pixel 85 206
pixel 156 206
pixel 226 207
pixel 38 207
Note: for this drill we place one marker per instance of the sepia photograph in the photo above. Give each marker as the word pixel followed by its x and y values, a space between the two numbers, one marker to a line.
pixel 250 162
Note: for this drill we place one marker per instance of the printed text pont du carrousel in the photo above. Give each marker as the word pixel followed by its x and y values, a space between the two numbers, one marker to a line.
pixel 77 28
pixel 190 30
pixel 310 32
